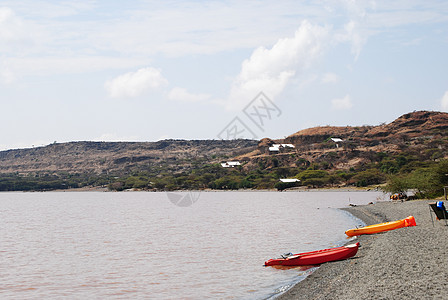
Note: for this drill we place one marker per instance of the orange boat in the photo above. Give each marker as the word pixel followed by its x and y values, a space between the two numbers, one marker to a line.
pixel 315 257
pixel 409 221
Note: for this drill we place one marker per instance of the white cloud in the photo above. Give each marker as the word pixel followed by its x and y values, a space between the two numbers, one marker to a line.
pixel 134 84
pixel 40 30
pixel 18 36
pixel 270 70
pixel 356 30
pixel 353 34
pixel 47 66
pixel 144 28
pixel 358 8
pixel 181 94
pixel 330 78
pixel 342 103
pixel 11 26
pixel 6 76
pixel 178 28
pixel 390 14
pixel 444 101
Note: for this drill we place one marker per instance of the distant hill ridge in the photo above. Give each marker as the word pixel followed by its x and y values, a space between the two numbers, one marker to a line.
pixel 120 158
pixel 421 131
pixel 410 125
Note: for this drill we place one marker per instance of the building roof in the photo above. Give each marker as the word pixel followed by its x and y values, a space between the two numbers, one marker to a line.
pixel 284 145
pixel 290 180
pixel 276 147
pixel 337 140
pixel 230 164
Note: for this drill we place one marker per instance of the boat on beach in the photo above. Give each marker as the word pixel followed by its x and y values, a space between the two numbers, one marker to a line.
pixel 376 228
pixel 315 257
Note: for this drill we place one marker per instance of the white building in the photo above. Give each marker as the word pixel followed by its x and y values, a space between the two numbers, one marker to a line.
pixel 337 141
pixel 277 147
pixel 283 145
pixel 230 164
pixel 290 180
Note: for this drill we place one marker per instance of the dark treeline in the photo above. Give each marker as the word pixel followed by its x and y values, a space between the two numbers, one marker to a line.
pixel 47 182
pixel 394 172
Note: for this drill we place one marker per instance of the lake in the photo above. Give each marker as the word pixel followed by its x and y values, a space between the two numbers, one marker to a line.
pixel 141 245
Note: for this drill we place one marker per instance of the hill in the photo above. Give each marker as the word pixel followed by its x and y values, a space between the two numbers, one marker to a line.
pixel 120 158
pixel 421 134
pixel 412 148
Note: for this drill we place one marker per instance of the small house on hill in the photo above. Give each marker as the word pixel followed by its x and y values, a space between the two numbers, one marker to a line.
pixel 280 148
pixel 337 141
pixel 289 180
pixel 287 183
pixel 230 164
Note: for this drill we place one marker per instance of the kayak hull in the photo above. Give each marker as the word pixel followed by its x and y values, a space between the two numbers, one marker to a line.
pixel 376 228
pixel 316 257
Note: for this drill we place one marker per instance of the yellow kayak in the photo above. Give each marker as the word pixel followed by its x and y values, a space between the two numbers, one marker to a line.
pixel 409 221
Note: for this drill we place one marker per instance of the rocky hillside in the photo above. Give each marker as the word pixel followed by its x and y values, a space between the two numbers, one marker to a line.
pixel 121 158
pixel 422 124
pixel 404 143
pixel 423 134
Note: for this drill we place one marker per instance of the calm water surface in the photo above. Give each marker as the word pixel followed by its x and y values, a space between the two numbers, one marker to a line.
pixel 140 245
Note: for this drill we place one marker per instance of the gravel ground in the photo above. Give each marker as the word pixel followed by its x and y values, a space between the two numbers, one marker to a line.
pixel 406 263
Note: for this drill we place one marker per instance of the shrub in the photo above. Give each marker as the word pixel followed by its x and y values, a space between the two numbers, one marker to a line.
pixel 368 177
pixel 397 184
pixel 316 182
pixel 307 174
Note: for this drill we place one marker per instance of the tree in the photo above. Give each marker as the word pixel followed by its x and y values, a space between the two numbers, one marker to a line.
pixel 316 182
pixel 368 177
pixel 428 181
pixel 307 174
pixel 397 184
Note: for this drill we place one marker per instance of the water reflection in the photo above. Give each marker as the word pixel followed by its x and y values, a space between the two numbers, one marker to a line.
pixel 139 245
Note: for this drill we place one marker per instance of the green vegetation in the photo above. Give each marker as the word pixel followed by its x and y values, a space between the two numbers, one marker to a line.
pixel 399 173
pixel 427 181
pixel 47 182
pixel 401 156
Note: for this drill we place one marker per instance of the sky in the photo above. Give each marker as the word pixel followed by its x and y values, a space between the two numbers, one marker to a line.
pixel 150 70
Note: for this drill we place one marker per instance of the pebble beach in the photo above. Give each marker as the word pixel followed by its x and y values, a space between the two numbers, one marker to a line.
pixel 406 263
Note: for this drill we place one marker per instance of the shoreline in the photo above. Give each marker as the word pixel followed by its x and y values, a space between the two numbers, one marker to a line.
pixel 406 263
pixel 296 190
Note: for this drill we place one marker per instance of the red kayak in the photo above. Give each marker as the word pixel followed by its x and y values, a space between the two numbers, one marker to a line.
pixel 315 257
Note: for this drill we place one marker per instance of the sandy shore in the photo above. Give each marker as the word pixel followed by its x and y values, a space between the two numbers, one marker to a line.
pixel 407 263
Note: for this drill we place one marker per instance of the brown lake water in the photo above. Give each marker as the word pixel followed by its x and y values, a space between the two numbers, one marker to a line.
pixel 97 245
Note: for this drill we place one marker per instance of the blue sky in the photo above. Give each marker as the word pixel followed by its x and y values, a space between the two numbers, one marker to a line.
pixel 151 70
